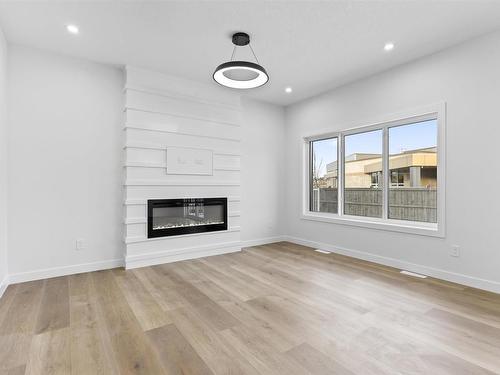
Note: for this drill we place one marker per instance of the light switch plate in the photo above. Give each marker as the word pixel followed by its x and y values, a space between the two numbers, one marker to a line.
pixel 80 244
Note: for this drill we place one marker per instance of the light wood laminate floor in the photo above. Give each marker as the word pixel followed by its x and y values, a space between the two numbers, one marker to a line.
pixel 274 309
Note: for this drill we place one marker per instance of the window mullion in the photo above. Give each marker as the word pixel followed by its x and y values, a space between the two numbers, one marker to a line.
pixel 386 178
pixel 340 174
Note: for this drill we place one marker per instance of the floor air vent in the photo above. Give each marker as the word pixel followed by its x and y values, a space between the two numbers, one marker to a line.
pixel 408 273
pixel 322 251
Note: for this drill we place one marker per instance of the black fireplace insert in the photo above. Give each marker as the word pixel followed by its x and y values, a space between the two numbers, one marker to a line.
pixel 172 217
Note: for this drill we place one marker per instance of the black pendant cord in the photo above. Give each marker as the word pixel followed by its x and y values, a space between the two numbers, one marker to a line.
pixel 234 50
pixel 256 59
pixel 251 49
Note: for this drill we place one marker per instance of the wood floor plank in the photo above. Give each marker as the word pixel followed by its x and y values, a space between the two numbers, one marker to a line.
pixel 282 338
pixel 19 370
pixel 297 290
pixel 163 290
pixel 220 356
pixel 316 362
pixel 468 327
pixel 129 344
pixel 54 308
pixel 14 350
pixel 430 339
pixel 147 311
pixel 176 354
pixel 261 353
pixel 206 308
pixel 451 365
pixel 22 313
pixel 6 301
pixel 234 282
pixel 89 352
pixel 50 353
pixel 79 284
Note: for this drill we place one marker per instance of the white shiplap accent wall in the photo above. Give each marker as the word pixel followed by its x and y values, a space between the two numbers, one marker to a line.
pixel 163 111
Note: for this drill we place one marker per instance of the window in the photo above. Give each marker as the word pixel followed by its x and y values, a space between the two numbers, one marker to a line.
pixel 376 179
pixel 413 160
pixel 323 170
pixel 386 176
pixel 397 178
pixel 363 174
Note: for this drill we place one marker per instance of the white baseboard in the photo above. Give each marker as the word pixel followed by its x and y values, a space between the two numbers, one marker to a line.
pixel 262 241
pixel 489 285
pixel 3 285
pixel 169 256
pixel 64 270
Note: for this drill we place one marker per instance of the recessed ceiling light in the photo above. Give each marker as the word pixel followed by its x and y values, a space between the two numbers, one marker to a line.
pixel 288 90
pixel 389 46
pixel 72 29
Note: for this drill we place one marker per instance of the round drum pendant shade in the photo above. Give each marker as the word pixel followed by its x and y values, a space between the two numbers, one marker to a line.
pixel 241 75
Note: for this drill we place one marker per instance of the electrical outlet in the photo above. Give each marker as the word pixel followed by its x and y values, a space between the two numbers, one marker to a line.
pixel 455 251
pixel 80 244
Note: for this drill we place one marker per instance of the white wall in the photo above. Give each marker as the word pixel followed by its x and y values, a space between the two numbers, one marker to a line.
pixel 263 175
pixel 65 147
pixel 3 163
pixel 467 78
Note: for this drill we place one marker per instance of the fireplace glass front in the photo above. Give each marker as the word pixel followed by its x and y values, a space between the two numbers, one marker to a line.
pixel 172 217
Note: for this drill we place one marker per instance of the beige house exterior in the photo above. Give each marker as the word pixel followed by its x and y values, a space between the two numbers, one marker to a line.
pixel 413 168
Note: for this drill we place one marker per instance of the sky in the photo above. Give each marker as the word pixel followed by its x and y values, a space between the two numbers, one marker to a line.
pixel 401 138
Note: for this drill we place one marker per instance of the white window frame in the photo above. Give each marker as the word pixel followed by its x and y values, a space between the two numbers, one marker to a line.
pixel 435 111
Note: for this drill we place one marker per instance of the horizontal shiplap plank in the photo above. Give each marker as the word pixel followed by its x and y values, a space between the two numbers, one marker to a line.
pixel 136 164
pixel 164 84
pixel 235 106
pixel 171 192
pixel 129 240
pixel 162 182
pixel 175 124
pixel 177 255
pixel 226 162
pixel 179 132
pixel 135 211
pixel 164 140
pixel 133 230
pixel 162 147
pixel 154 158
pixel 135 220
pixel 142 202
pixel 148 102
pixel 217 176
pixel 233 169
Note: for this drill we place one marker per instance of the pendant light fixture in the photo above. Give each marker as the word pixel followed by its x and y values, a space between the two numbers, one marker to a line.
pixel 241 74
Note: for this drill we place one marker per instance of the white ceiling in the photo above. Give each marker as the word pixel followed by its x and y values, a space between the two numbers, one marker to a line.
pixel 311 46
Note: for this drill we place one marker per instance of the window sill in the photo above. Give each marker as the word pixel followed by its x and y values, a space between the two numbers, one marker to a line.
pixel 411 227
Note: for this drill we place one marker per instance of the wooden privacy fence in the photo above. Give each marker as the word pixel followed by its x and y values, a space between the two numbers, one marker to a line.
pixel 415 204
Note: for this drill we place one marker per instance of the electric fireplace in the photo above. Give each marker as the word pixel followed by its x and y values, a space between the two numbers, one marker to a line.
pixel 172 217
